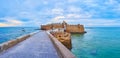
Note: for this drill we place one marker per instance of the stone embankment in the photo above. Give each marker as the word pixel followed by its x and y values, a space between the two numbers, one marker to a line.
pixel 62 51
pixel 64 38
pixel 6 45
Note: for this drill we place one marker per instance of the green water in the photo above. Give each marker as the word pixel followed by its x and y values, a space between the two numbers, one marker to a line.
pixel 98 42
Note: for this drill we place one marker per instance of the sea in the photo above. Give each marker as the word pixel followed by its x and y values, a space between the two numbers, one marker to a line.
pixel 98 42
pixel 9 33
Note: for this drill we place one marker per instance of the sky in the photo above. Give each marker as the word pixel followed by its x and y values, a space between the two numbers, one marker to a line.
pixel 33 13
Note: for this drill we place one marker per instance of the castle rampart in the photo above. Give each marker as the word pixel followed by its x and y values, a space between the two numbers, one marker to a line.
pixel 67 27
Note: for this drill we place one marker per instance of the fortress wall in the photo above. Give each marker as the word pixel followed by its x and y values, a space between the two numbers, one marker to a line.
pixel 50 26
pixel 57 26
pixel 75 28
pixel 46 27
pixel 69 28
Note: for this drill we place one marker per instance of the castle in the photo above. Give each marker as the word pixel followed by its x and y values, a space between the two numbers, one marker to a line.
pixel 62 32
pixel 67 27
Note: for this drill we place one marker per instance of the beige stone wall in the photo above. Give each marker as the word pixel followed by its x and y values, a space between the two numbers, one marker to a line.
pixel 46 27
pixel 75 28
pixel 62 51
pixel 69 28
pixel 50 26
pixel 64 38
pixel 57 26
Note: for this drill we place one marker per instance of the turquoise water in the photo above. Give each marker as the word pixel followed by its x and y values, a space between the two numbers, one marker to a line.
pixel 98 42
pixel 8 33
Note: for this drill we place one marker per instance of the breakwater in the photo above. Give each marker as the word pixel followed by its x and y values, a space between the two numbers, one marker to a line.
pixel 6 45
pixel 50 48
pixel 62 51
pixel 63 37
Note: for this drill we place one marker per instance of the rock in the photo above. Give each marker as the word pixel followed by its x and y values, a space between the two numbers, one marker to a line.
pixel 64 38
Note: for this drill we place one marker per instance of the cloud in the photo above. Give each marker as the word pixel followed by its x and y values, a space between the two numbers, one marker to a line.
pixel 4 24
pixel 57 11
pixel 71 1
pixel 95 22
pixel 87 22
pixel 10 22
pixel 111 2
pixel 91 3
pixel 17 22
pixel 56 19
pixel 79 16
pixel 74 9
pixel 37 12
pixel 68 17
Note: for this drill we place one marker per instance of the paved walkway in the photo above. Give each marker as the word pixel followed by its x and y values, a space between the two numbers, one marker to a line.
pixel 37 46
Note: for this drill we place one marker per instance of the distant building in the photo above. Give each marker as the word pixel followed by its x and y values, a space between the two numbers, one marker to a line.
pixel 67 27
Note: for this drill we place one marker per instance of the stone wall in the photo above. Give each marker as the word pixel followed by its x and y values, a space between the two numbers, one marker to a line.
pixel 68 28
pixel 6 45
pixel 11 43
pixel 51 26
pixel 62 51
pixel 46 27
pixel 56 26
pixel 64 38
pixel 75 28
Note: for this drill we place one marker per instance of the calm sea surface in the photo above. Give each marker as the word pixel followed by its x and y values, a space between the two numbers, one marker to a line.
pixel 8 33
pixel 98 42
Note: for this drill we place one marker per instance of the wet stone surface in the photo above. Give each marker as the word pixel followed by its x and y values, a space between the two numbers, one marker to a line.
pixel 37 46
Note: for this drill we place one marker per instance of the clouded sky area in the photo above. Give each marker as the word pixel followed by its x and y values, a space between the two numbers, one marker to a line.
pixel 32 13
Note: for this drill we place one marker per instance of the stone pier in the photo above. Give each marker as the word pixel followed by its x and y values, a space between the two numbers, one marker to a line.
pixel 38 45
